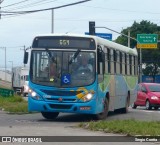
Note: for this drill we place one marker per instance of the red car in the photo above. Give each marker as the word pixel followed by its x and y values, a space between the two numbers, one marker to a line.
pixel 148 96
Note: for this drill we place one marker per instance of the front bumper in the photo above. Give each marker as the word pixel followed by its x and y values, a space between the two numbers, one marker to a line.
pixel 155 103
pixel 47 106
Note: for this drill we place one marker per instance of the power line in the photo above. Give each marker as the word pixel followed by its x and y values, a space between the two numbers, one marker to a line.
pixel 15 3
pixel 39 2
pixel 40 10
pixel 1 1
pixel 132 11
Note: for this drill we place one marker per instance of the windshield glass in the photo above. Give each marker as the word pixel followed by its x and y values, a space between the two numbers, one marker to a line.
pixel 63 69
pixel 27 77
pixel 154 88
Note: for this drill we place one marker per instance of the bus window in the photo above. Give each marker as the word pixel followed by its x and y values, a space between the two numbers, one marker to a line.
pixel 118 62
pixel 125 64
pixel 115 60
pixel 130 64
pixel 112 61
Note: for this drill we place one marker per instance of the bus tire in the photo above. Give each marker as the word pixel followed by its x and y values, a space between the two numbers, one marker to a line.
pixel 125 109
pixel 50 115
pixel 134 106
pixel 103 115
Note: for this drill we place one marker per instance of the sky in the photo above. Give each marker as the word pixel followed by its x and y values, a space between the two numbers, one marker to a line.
pixel 17 32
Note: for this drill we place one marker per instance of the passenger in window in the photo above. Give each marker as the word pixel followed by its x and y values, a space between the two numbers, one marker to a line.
pixel 85 64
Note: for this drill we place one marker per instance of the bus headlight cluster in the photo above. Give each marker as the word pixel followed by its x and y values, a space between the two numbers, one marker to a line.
pixel 88 97
pixel 34 95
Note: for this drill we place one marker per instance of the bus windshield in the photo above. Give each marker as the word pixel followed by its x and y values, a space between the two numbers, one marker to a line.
pixel 62 68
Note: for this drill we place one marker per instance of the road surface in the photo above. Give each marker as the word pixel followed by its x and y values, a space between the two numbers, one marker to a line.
pixel 66 125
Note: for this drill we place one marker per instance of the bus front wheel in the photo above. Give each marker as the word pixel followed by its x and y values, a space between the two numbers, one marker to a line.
pixel 104 114
pixel 50 115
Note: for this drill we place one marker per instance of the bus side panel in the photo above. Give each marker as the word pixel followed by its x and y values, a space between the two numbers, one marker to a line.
pixel 117 86
pixel 132 83
pixel 121 91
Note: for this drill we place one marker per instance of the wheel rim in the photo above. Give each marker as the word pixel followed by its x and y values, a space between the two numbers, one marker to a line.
pixel 147 104
pixel 103 114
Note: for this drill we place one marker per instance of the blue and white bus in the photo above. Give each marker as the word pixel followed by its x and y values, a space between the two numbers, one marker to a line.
pixel 110 84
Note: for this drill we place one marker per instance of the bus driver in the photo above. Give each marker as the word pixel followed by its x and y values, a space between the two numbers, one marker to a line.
pixel 85 64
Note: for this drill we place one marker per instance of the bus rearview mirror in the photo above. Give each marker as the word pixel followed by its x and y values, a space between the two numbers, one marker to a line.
pixel 25 59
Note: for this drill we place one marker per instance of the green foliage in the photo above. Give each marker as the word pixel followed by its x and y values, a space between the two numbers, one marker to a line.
pixel 144 27
pixel 150 57
pixel 129 127
pixel 14 104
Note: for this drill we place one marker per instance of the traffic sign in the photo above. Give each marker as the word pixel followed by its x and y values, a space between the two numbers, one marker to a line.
pixel 107 36
pixel 147 40
pixel 6 92
pixel 146 46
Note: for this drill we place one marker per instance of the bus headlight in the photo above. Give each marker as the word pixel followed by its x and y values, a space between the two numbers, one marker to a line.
pixel 88 97
pixel 34 95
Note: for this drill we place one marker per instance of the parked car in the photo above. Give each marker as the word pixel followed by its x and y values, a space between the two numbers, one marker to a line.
pixel 148 96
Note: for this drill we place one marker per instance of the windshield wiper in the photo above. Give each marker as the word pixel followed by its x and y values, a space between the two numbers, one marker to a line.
pixel 74 56
pixel 50 55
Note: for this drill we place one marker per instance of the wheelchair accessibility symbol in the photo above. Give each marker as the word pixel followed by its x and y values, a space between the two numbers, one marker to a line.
pixel 66 79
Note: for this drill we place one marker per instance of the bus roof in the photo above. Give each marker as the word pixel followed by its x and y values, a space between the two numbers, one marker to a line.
pixel 99 40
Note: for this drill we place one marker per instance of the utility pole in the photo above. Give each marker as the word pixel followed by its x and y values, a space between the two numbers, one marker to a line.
pixel 52 21
pixel 0 12
pixel 24 49
pixel 140 65
pixel 5 62
pixel 129 45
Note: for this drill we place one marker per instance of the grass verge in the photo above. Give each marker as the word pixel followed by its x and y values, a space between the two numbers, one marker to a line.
pixel 127 127
pixel 14 104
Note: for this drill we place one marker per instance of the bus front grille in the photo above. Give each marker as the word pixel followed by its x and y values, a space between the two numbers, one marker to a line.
pixel 61 93
pixel 64 100
pixel 57 106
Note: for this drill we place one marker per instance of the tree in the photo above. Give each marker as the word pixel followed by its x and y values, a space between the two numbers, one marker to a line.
pixel 150 57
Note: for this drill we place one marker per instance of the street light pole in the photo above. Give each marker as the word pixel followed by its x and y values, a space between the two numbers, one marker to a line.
pixel 129 34
pixel 52 22
pixel 4 48
pixel 11 69
pixel 5 64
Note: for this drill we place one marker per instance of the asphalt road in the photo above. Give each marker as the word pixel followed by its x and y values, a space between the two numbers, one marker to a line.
pixel 66 125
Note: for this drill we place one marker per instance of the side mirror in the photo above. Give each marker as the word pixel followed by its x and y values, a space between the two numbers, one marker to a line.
pixel 100 63
pixel 25 59
pixel 101 55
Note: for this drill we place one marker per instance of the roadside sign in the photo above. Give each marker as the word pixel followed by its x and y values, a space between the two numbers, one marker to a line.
pixel 147 41
pixel 107 36
pixel 6 92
